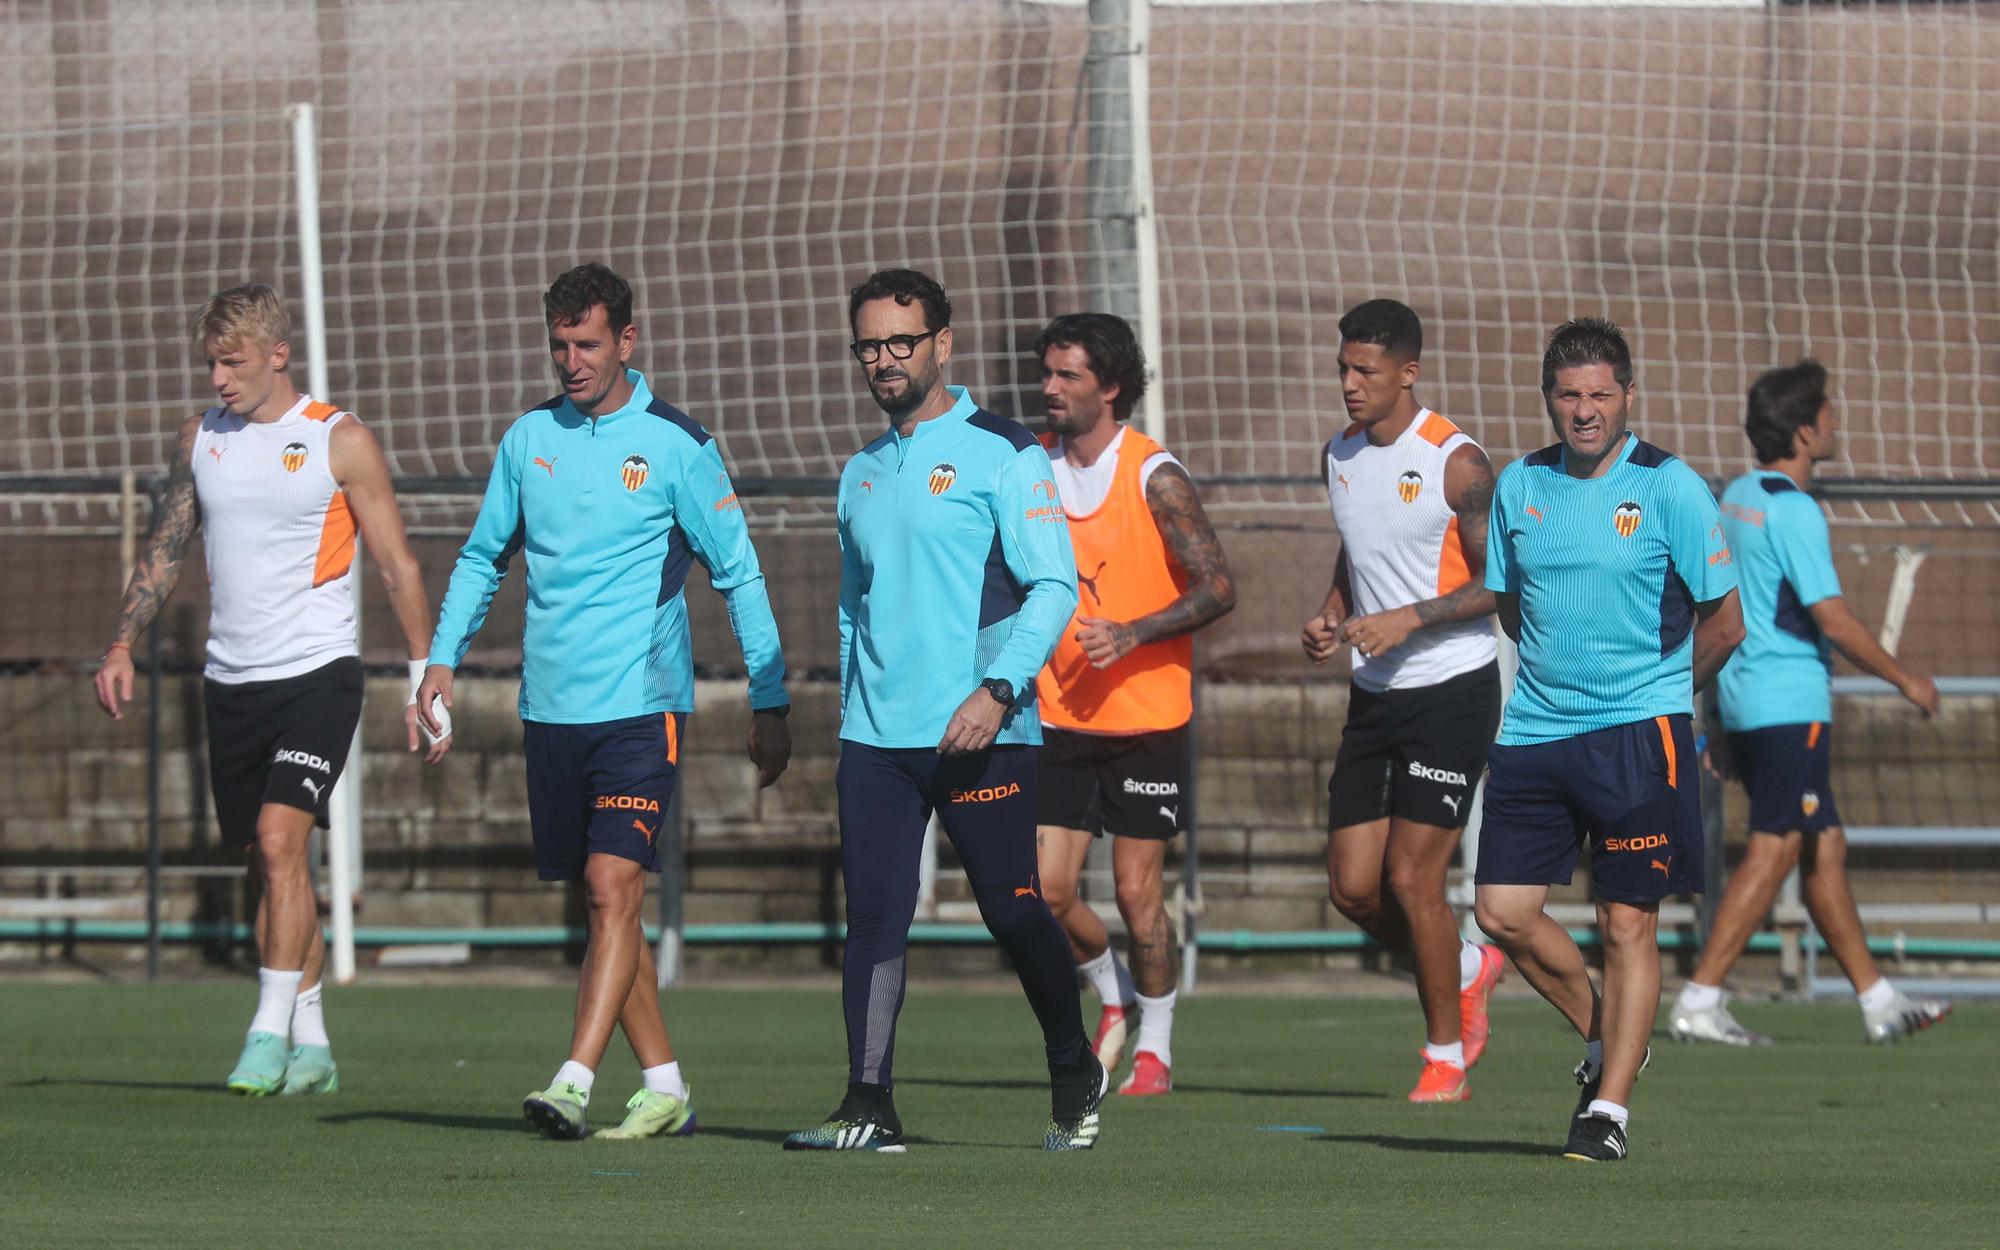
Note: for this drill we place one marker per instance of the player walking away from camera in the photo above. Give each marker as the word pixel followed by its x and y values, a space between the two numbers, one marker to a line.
pixel 1611 571
pixel 1777 706
pixel 279 483
pixel 956 579
pixel 612 494
pixel 1117 696
pixel 1410 494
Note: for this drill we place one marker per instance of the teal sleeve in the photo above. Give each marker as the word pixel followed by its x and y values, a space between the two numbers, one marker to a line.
pixel 497 536
pixel 1501 575
pixel 711 518
pixel 1696 542
pixel 850 591
pixel 1034 541
pixel 1799 537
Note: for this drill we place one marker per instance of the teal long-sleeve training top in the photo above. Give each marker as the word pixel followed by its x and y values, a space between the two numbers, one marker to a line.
pixel 955 567
pixel 609 515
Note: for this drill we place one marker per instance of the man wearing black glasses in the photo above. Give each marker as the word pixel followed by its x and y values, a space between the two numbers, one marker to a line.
pixel 956 580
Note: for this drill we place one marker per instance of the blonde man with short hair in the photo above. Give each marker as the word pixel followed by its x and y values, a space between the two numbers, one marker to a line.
pixel 280 483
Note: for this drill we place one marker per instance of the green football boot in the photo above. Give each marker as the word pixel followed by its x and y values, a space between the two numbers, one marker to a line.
pixel 260 1069
pixel 650 1113
pixel 311 1071
pixel 558 1110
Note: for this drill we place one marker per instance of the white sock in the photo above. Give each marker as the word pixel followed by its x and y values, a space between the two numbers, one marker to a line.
pixel 1110 979
pixel 1452 1053
pixel 578 1075
pixel 1877 996
pixel 665 1079
pixel 308 1019
pixel 276 991
pixel 1698 997
pixel 1604 1107
pixel 1594 1051
pixel 1156 1025
pixel 1469 964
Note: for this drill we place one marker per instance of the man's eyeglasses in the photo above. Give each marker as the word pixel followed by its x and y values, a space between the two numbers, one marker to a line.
pixel 901 347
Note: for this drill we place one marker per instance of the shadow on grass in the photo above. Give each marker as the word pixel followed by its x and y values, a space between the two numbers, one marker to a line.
pixel 433 1119
pixel 181 1087
pixel 1238 1090
pixel 734 1133
pixel 1443 1145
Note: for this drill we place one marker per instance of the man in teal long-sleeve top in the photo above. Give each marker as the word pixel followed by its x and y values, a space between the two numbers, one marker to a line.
pixel 609 496
pixel 956 580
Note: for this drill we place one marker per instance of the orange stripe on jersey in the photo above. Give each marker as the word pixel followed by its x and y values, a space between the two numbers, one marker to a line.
pixel 1812 736
pixel 1452 570
pixel 1667 743
pixel 1436 429
pixel 336 541
pixel 673 738
pixel 317 411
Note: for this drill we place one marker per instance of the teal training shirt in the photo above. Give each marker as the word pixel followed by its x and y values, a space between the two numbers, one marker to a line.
pixel 1609 570
pixel 608 515
pixel 955 566
pixel 1782 673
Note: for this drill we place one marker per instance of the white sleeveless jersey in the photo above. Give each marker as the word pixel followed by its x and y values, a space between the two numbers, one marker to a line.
pixel 280 544
pixel 1401 542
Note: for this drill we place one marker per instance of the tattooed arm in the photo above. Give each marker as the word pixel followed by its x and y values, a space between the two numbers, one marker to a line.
pixel 153 580
pixel 1191 540
pixel 1468 490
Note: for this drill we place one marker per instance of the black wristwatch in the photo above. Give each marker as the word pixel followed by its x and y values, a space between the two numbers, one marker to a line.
pixel 1000 688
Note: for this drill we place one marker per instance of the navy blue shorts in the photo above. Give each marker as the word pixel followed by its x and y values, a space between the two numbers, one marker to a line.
pixel 1630 791
pixel 1788 771
pixel 600 789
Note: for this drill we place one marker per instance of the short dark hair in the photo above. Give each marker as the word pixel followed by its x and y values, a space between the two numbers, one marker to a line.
pixel 906 287
pixel 570 297
pixel 1115 355
pixel 1587 341
pixel 1389 324
pixel 1781 401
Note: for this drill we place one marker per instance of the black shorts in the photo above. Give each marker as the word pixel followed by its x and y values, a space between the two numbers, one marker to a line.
pixel 1631 791
pixel 1414 753
pixel 1787 770
pixel 1129 785
pixel 600 789
pixel 282 741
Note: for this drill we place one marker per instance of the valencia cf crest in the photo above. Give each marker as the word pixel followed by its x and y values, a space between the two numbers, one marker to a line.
pixel 1410 485
pixel 943 474
pixel 633 472
pixel 1627 518
pixel 294 457
pixel 1809 802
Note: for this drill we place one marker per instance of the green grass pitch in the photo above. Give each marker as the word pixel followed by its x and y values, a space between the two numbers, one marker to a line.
pixel 1288 1128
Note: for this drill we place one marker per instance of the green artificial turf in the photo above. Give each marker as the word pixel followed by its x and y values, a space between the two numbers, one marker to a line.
pixel 1288 1127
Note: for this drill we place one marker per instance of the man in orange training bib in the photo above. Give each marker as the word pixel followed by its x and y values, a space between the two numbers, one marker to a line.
pixel 1117 696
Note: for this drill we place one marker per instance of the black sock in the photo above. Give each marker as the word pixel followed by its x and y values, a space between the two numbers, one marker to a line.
pixel 875 1100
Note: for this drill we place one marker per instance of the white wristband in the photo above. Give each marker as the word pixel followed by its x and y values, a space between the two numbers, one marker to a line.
pixel 439 711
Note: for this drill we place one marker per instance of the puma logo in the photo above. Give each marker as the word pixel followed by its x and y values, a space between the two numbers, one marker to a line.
pixel 1090 583
pixel 313 788
pixel 550 465
pixel 1536 513
pixel 643 831
pixel 1342 479
pixel 1452 801
pixel 1666 869
pixel 217 453
pixel 1171 813
pixel 869 487
pixel 1025 890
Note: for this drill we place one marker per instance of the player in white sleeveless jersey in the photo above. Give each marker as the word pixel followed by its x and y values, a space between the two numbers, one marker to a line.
pixel 279 483
pixel 1409 495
